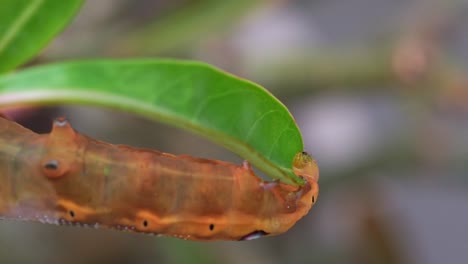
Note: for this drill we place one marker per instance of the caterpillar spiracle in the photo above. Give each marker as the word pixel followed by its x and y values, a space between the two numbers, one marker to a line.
pixel 67 178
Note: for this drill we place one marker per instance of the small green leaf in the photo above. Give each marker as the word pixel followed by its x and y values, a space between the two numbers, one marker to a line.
pixel 235 113
pixel 26 26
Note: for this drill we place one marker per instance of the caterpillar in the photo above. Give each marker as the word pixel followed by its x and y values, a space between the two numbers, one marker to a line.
pixel 67 178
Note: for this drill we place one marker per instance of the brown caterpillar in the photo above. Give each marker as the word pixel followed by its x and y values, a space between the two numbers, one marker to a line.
pixel 68 178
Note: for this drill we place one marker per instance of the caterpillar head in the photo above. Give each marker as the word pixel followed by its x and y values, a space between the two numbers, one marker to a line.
pixel 305 166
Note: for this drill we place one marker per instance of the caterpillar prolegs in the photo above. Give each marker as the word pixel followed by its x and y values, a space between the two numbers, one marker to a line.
pixel 68 178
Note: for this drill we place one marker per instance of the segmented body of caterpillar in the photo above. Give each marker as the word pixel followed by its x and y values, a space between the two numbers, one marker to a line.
pixel 68 178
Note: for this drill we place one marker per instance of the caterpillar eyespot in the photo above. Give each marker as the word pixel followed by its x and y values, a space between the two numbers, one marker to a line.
pixel 52 169
pixel 51 165
pixel 67 178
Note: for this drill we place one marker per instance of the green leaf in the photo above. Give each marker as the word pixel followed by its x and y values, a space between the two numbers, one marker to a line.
pixel 235 113
pixel 26 26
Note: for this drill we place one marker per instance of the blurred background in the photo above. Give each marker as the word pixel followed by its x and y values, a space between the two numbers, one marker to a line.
pixel 379 89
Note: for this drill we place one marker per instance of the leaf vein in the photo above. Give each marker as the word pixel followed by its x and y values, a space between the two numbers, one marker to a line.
pixel 257 121
pixel 19 23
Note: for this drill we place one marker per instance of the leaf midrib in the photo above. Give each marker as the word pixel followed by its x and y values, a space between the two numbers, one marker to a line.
pixel 19 23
